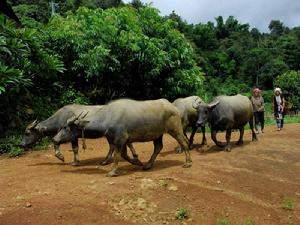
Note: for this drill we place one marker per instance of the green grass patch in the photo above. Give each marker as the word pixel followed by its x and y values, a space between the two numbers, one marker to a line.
pixel 288 204
pixel 225 221
pixel 10 145
pixel 43 144
pixel 182 213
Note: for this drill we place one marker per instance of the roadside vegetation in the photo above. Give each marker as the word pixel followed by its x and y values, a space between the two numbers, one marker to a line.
pixel 91 52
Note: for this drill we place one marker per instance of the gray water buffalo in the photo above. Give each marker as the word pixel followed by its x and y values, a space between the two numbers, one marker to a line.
pixel 49 127
pixel 226 113
pixel 189 117
pixel 126 121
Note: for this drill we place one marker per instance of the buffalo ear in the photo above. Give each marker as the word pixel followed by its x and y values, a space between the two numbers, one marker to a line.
pixel 41 128
pixel 71 120
pixel 213 105
pixel 82 123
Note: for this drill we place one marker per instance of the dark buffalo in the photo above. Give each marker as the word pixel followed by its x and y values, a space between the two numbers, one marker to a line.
pixel 49 127
pixel 226 113
pixel 126 121
pixel 189 117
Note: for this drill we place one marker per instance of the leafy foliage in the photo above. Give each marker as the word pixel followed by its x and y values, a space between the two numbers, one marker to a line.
pixel 24 61
pixel 290 84
pixel 124 52
pixel 93 51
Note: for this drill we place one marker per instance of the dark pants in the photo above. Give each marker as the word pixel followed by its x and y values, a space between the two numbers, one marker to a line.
pixel 259 119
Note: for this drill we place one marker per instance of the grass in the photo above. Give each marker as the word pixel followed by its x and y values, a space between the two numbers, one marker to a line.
pixel 10 144
pixel 225 221
pixel 288 204
pixel 43 144
pixel 182 213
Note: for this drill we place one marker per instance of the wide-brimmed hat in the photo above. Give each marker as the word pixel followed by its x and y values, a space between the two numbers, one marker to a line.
pixel 277 89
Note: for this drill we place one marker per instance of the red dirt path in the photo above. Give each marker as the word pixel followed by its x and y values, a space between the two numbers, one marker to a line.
pixel 250 183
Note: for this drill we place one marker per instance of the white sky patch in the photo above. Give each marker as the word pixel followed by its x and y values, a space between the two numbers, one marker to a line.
pixel 258 13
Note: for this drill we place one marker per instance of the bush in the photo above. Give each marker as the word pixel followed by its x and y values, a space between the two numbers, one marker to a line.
pixel 10 145
pixel 124 52
pixel 289 82
pixel 27 69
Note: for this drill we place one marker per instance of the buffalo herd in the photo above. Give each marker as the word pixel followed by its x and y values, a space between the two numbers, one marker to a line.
pixel 126 121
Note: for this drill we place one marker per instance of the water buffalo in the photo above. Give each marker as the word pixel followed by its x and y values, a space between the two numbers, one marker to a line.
pixel 189 117
pixel 226 113
pixel 126 121
pixel 49 127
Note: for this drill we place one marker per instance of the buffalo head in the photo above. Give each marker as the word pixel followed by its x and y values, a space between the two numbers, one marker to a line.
pixel 204 112
pixel 71 129
pixel 33 133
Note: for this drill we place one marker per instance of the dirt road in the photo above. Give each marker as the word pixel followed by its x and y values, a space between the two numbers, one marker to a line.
pixel 257 183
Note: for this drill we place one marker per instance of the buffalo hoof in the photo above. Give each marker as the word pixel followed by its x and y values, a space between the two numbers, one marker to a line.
pixel 204 143
pixel 178 150
pixel 219 144
pixel 187 164
pixel 147 166
pixel 76 163
pixel 228 149
pixel 113 173
pixel 106 162
pixel 239 142
pixel 60 156
pixel 137 162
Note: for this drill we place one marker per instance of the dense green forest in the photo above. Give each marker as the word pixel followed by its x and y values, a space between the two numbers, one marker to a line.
pixel 92 51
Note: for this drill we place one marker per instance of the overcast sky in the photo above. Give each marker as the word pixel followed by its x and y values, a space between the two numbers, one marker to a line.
pixel 258 13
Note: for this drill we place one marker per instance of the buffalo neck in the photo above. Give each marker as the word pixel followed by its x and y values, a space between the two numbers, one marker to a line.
pixel 97 126
pixel 51 125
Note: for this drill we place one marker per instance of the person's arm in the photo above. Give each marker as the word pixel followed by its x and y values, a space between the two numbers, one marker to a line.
pixel 283 103
pixel 262 107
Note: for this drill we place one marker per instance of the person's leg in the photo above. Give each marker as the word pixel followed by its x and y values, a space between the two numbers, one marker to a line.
pixel 256 117
pixel 262 121
pixel 282 120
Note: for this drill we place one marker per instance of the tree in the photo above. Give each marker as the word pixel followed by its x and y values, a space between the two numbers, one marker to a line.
pixel 289 82
pixel 122 52
pixel 24 61
pixel 277 28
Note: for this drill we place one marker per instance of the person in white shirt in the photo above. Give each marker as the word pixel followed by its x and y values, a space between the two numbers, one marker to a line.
pixel 278 107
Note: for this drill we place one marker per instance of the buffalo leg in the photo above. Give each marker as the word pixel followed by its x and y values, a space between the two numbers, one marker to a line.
pixel 178 148
pixel 58 153
pixel 117 156
pixel 135 160
pixel 203 136
pixel 251 123
pixel 191 140
pixel 108 157
pixel 74 143
pixel 134 154
pixel 228 136
pixel 183 142
pixel 240 141
pixel 158 145
pixel 214 138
